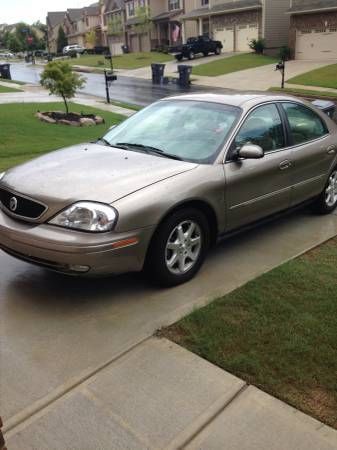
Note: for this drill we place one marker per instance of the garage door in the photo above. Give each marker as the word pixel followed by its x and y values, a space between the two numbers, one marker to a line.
pixel 316 44
pixel 226 36
pixel 244 34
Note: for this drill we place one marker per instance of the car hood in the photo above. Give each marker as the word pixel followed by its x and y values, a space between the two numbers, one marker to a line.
pixel 89 172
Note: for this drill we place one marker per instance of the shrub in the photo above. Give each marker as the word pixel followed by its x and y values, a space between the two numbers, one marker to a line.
pixel 258 45
pixel 284 53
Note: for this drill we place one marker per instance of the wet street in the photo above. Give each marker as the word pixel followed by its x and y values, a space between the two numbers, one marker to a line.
pixel 126 89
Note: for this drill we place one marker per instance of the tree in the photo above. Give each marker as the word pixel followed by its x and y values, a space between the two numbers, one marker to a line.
pixel 59 79
pixel 13 44
pixel 62 40
pixel 144 23
pixel 90 38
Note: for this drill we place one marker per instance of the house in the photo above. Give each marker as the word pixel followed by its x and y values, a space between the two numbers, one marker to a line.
pixel 236 22
pixel 81 21
pixel 113 25
pixel 54 21
pixel 313 29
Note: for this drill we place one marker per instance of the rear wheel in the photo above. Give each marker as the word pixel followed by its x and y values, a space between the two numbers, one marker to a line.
pixel 327 201
pixel 179 57
pixel 205 54
pixel 191 55
pixel 217 51
pixel 178 248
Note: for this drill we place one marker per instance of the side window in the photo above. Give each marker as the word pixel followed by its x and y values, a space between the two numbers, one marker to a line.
pixel 262 127
pixel 305 124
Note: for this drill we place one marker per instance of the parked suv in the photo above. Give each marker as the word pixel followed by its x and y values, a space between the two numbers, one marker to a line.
pixel 73 48
pixel 196 45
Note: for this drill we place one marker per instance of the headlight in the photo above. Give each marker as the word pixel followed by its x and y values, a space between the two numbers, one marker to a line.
pixel 2 175
pixel 87 216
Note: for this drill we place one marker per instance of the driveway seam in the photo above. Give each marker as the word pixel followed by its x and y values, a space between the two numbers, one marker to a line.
pixel 58 394
pixel 202 422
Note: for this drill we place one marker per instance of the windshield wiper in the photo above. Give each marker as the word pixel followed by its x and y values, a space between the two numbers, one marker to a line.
pixel 149 149
pixel 107 143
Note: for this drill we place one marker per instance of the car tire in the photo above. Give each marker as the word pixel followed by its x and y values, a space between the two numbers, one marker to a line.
pixel 218 51
pixel 205 54
pixel 178 248
pixel 191 55
pixel 326 203
pixel 179 57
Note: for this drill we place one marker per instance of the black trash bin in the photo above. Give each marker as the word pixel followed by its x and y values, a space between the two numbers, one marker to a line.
pixel 5 71
pixel 49 57
pixel 327 106
pixel 125 49
pixel 184 75
pixel 157 73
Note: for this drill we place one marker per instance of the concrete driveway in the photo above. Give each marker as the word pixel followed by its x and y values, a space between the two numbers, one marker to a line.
pixel 57 332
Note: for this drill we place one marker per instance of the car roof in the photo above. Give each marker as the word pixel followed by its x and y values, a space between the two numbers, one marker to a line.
pixel 239 100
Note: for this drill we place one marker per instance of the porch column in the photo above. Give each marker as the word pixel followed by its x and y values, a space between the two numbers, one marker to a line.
pixel 200 27
pixel 158 34
pixel 183 35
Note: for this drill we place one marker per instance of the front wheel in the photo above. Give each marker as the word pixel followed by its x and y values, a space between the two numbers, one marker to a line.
pixel 191 55
pixel 178 248
pixel 327 201
pixel 179 57
pixel 218 51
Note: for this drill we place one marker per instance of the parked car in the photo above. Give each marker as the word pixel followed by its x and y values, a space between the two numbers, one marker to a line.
pixel 163 186
pixel 6 54
pixel 73 49
pixel 40 53
pixel 196 45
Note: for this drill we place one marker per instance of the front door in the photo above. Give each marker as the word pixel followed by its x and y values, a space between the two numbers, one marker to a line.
pixel 258 188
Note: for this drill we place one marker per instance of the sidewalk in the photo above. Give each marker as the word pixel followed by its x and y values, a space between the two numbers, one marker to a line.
pixel 36 94
pixel 160 396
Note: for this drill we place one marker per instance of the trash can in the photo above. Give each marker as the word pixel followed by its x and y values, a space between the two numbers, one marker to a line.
pixel 327 106
pixel 184 75
pixel 49 57
pixel 125 49
pixel 5 71
pixel 157 73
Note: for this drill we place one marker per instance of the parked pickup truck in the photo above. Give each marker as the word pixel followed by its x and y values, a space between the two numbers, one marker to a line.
pixel 195 46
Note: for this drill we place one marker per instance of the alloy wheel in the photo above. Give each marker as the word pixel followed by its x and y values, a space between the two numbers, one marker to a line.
pixel 331 190
pixel 183 247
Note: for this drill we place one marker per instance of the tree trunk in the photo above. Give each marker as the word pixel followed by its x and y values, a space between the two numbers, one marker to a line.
pixel 65 104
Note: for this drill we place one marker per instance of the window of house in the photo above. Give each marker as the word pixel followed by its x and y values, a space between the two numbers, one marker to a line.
pixel 131 9
pixel 173 4
pixel 204 2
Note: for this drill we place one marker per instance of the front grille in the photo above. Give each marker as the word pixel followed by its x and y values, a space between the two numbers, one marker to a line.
pixel 21 206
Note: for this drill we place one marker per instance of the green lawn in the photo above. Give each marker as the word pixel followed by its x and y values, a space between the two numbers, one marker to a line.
pixel 278 332
pixel 304 92
pixel 324 77
pixel 127 61
pixel 23 136
pixel 4 89
pixel 234 63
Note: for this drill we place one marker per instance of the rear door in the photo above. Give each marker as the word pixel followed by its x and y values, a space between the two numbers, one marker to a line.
pixel 313 151
pixel 258 188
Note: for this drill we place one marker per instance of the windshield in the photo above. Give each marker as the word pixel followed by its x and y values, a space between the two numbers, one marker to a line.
pixel 190 130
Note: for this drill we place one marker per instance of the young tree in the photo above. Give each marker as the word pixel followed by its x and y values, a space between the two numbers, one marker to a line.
pixel 13 44
pixel 62 40
pixel 144 22
pixel 59 79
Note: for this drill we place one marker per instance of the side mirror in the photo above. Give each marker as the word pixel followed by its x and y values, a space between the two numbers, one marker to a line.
pixel 250 151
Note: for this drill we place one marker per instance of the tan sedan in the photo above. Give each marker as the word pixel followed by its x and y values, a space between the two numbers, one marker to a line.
pixel 167 183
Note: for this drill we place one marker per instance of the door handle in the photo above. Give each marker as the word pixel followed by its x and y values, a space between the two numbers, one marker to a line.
pixel 331 150
pixel 285 164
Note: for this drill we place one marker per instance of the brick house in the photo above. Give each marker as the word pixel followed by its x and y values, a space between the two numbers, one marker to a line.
pixel 54 21
pixel 236 22
pixel 313 29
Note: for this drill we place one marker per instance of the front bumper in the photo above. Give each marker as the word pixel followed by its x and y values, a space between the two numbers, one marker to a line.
pixel 74 252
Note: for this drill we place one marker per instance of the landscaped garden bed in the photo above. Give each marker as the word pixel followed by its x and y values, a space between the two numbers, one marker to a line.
pixel 278 332
pixel 71 118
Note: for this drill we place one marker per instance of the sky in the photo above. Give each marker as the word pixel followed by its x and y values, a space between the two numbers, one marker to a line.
pixel 29 11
